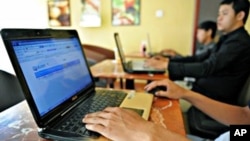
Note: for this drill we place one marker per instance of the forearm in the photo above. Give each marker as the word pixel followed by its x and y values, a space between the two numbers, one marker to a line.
pixel 189 69
pixel 224 113
pixel 187 59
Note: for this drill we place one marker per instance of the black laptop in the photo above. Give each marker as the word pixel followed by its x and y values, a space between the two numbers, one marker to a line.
pixel 57 83
pixel 134 66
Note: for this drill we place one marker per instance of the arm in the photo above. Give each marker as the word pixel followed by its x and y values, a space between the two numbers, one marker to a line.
pixel 121 124
pixel 170 52
pixel 224 113
pixel 191 59
pixel 230 52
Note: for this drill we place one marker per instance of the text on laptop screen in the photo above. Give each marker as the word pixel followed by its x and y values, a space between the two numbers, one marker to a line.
pixel 54 69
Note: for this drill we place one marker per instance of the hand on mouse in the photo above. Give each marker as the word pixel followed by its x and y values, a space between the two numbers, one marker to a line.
pixel 173 90
pixel 156 89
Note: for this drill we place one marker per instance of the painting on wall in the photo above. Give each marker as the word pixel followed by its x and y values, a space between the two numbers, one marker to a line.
pixel 59 12
pixel 125 12
pixel 90 16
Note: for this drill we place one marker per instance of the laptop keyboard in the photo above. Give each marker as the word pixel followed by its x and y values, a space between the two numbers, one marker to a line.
pixel 101 100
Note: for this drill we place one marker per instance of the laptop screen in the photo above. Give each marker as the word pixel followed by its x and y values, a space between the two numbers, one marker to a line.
pixel 54 69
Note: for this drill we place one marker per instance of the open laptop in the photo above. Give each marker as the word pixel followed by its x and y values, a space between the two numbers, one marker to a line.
pixel 58 85
pixel 133 66
pixel 151 53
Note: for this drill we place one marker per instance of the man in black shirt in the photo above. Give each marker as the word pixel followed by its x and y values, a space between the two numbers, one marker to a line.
pixel 222 73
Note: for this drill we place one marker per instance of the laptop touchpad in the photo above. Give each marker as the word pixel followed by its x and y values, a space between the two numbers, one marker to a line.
pixel 138 111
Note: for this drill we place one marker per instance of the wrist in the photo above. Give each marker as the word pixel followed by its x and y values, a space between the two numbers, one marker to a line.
pixel 149 132
pixel 187 94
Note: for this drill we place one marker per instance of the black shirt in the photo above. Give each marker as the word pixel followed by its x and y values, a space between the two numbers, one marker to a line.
pixel 222 72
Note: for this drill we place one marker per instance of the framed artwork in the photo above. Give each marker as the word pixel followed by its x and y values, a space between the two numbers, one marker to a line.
pixel 125 12
pixel 59 12
pixel 90 16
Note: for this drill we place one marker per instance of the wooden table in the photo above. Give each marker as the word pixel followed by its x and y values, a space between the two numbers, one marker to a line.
pixel 111 69
pixel 17 123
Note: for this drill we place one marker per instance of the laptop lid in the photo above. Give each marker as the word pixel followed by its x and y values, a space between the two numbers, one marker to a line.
pixel 51 68
pixel 120 50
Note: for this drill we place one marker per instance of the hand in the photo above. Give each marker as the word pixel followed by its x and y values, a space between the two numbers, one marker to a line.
pixel 169 52
pixel 157 62
pixel 125 125
pixel 173 91
pixel 118 124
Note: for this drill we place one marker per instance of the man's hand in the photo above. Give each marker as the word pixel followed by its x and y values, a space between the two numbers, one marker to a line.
pixel 169 52
pixel 125 125
pixel 173 90
pixel 118 124
pixel 157 62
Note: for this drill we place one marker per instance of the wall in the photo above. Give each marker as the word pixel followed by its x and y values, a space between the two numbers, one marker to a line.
pixel 206 6
pixel 173 30
pixel 20 14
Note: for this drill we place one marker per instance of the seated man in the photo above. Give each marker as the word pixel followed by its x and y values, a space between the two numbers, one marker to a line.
pixel 222 72
pixel 205 36
pixel 120 124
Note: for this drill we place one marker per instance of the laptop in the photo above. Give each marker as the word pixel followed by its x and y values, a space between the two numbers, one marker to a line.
pixel 151 53
pixel 58 85
pixel 134 66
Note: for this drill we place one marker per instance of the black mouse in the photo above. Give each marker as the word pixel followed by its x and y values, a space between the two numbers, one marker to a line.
pixel 156 89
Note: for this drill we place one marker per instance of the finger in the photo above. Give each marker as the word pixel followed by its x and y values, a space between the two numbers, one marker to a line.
pixel 113 110
pixel 107 110
pixel 150 86
pixel 161 94
pixel 93 114
pixel 97 128
pixel 105 131
pixel 97 119
pixel 162 82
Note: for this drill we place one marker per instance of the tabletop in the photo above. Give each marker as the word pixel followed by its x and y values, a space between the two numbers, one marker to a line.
pixel 17 123
pixel 113 69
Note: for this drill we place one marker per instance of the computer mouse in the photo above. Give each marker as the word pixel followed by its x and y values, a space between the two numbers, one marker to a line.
pixel 156 89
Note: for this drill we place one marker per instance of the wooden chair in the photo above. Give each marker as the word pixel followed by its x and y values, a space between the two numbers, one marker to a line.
pixel 96 54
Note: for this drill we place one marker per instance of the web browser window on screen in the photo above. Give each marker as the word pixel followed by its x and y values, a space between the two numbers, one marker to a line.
pixel 46 64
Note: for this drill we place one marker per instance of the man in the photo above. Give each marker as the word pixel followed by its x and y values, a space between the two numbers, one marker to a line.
pixel 222 73
pixel 119 124
pixel 205 36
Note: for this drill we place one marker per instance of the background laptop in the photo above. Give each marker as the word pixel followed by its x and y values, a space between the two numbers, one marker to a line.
pixel 57 83
pixel 133 66
pixel 151 53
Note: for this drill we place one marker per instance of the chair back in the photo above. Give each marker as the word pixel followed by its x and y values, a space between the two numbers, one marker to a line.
pixel 10 90
pixel 97 53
